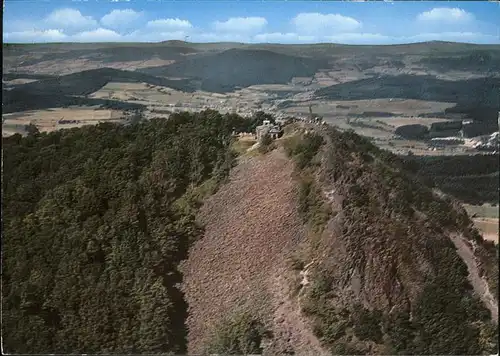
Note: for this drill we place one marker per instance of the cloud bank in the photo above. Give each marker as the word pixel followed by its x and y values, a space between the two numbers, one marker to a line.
pixel 121 19
pixel 444 14
pixel 316 23
pixel 128 25
pixel 241 25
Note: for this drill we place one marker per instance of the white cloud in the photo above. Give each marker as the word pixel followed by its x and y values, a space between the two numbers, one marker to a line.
pixel 105 35
pixel 169 25
pixel 118 19
pixel 446 14
pixel 316 23
pixel 98 35
pixel 65 25
pixel 241 25
pixel 69 20
pixel 34 36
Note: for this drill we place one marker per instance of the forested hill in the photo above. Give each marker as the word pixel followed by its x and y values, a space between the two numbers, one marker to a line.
pixel 95 222
pixel 356 255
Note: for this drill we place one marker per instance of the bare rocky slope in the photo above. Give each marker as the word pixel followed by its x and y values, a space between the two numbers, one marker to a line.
pixel 251 224
pixel 335 249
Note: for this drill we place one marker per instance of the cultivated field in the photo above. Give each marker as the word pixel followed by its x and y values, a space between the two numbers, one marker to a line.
pixel 159 98
pixel 137 92
pixel 373 90
pixel 378 119
pixel 403 107
pixel 486 219
pixel 488 227
pixel 398 121
pixel 49 120
pixel 483 211
pixel 68 66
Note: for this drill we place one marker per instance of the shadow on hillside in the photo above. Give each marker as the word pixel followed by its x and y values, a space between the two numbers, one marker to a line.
pixel 89 81
pixel 482 92
pixel 18 100
pixel 478 61
pixel 226 71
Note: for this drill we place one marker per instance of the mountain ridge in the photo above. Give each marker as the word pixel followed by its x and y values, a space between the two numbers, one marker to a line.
pixel 373 263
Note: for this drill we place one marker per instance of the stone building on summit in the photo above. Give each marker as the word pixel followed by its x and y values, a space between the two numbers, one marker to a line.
pixel 275 131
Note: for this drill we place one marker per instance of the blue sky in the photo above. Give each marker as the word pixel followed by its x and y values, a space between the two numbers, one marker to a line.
pixel 250 21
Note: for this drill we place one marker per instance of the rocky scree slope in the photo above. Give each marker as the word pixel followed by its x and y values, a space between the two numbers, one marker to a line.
pixel 251 224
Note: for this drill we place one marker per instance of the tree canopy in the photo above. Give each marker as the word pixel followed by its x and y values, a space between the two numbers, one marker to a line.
pixel 93 232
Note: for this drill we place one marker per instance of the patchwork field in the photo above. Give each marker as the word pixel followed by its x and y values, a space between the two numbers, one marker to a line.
pixel 327 78
pixel 50 119
pixel 402 121
pixel 69 66
pixel 401 107
pixel 141 93
pixel 159 98
pixel 378 119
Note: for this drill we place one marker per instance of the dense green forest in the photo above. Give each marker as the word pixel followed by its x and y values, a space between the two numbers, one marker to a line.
pixel 96 220
pixel 471 179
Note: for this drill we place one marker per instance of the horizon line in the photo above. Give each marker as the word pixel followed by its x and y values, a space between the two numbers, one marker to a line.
pixel 257 43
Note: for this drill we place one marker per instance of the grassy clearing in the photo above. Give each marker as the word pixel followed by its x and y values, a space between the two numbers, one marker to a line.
pixel 482 211
pixel 242 144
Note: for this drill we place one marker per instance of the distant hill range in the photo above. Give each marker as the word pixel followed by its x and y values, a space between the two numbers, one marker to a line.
pixel 225 67
pixel 104 53
pixel 173 50
pixel 68 89
pixel 228 70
